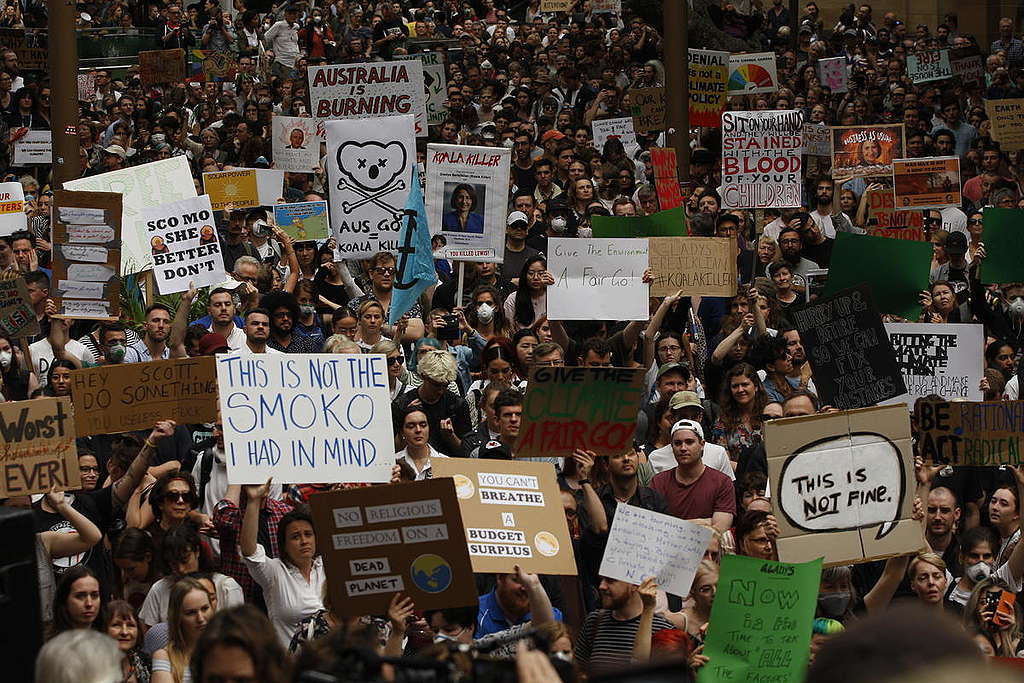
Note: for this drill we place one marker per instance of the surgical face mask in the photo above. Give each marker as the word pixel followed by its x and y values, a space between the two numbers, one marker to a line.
pixel 585 231
pixel 558 224
pixel 485 313
pixel 508 143
pixel 834 604
pixel 1016 307
pixel 5 359
pixel 979 571
pixel 116 353
pixel 306 309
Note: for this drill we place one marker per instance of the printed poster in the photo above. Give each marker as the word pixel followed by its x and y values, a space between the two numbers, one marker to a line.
pixel 864 151
pixel 371 90
pixel 303 220
pixel 938 359
pixel 244 188
pixel 35 148
pixel 762 159
pixel 17 317
pixel 213 66
pixel 12 208
pixel 708 74
pixel 928 183
pixel 467 196
pixel 752 73
pixel 296 146
pixel 184 244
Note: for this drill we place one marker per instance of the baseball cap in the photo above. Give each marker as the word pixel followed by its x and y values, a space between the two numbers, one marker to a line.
pixel 517 217
pixel 956 244
pixel 684 399
pixel 669 367
pixel 691 425
pixel 213 342
pixel 552 134
pixel 488 131
pixel 486 64
pixel 116 150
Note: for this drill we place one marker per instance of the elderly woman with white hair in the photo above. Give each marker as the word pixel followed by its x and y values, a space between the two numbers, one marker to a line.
pixel 79 656
pixel 447 412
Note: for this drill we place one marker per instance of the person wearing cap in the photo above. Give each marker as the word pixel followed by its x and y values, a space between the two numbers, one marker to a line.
pixel 212 343
pixel 686 405
pixel 694 491
pixel 113 158
pixel 550 140
pixel 955 270
pixel 517 252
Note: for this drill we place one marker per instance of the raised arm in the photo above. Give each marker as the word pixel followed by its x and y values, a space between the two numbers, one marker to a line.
pixel 595 510
pixel 251 519
pixel 654 326
pixel 541 611
pixel 288 251
pixel 122 489
pixel 176 338
pixel 60 544
pixel 725 346
pixel 880 595
pixel 648 591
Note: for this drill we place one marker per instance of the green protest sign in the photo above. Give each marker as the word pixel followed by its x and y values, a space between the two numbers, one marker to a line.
pixel 1002 262
pixel 897 270
pixel 668 223
pixel 761 621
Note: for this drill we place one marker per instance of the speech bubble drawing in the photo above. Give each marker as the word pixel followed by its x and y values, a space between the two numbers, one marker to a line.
pixel 841 483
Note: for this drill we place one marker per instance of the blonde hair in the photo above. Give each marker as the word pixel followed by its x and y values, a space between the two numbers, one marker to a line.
pixel 703 569
pixel 339 343
pixel 931 558
pixel 438 366
pixel 179 650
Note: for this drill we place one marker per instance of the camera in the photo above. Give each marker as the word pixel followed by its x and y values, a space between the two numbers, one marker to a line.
pixel 262 229
pixel 450 330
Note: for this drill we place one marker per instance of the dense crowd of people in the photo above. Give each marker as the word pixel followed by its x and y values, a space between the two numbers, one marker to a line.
pixel 158 570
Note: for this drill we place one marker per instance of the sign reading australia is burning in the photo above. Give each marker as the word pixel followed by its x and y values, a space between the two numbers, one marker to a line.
pixel 356 91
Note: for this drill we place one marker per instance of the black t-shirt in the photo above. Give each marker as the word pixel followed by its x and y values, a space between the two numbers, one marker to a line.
pixel 525 179
pixel 387 27
pixel 98 507
pixel 515 260
pixel 820 253
pixel 448 406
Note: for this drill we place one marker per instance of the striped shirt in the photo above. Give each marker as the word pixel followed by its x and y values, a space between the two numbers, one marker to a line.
pixel 605 643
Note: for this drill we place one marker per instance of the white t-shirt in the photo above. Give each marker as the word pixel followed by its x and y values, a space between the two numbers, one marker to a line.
pixel 961 597
pixel 714 456
pixel 825 221
pixel 236 340
pixel 42 356
pixel 154 609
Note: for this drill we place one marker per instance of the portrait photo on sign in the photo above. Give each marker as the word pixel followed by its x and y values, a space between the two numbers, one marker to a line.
pixel 465 207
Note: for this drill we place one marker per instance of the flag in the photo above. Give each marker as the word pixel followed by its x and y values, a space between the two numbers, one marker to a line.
pixel 415 271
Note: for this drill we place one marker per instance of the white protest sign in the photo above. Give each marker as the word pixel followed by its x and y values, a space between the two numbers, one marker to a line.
pixel 183 242
pixel 12 208
pixel 833 73
pixel 597 279
pixel 941 359
pixel 306 418
pixel 621 128
pixel 370 90
pixel 645 543
pixel 295 144
pixel 368 167
pixel 929 65
pixel 817 140
pixel 467 199
pixel 34 149
pixel 142 187
pixel 761 159
pixel 435 84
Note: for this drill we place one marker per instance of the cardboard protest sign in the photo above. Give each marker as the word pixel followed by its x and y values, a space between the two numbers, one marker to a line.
pixel 929 65
pixel 184 243
pixel 843 485
pixel 884 220
pixel 763 615
pixel 243 188
pixel 295 144
pixel 1003 263
pixel 621 128
pixel 929 183
pixel 303 221
pixel 666 179
pixel 606 7
pixel 576 407
pixel 938 359
pixel 401 538
pixel 861 151
pixel 370 90
pixel 597 279
pixel 513 515
pixel 645 543
pixel 853 360
pixel 35 148
pixel 30 46
pixel 86 280
pixel 17 317
pixel 752 73
pixel 141 187
pixel 368 166
pixel 39 450
pixel 647 105
pixel 133 396
pixel 161 66
pixel 435 84
pixel 974 433
pixel 708 80
pixel 306 417
pixel 12 208
pixel 666 223
pixel 1007 118
pixel 834 74
pixel 897 269
pixel 761 159
pixel 467 199
pixel 213 66
pixel 549 6
pixel 700 266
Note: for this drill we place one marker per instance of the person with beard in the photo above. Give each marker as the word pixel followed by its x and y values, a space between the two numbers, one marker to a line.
pixel 791 249
pixel 817 246
pixel 798 355
pixel 155 330
pixel 828 217
pixel 257 332
pixel 284 314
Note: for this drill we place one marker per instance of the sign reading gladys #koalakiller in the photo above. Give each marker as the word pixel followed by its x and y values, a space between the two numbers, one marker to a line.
pixel 397 538
pixel 975 433
pixel 37 447
pixel 938 359
pixel 512 513
pixel 370 90
pixel 761 159
pixel 306 417
pixel 126 397
pixel 573 407
pixel 183 241
pixel 467 196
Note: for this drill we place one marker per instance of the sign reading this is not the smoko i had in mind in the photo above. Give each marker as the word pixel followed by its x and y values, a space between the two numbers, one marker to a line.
pixel 512 513
pixel 398 538
pixel 597 279
pixel 762 159
pixel 37 447
pixel 184 243
pixel 306 417
pixel 976 433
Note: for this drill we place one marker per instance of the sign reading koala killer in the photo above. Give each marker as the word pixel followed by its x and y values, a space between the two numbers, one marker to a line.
pixel 371 90
pixel 368 166
pixel 184 244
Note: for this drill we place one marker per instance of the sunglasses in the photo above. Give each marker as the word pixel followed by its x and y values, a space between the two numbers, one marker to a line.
pixel 178 496
pixel 397 360
pixel 385 270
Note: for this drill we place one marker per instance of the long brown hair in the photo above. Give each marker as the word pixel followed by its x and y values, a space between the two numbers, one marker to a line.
pixel 731 412
pixel 249 630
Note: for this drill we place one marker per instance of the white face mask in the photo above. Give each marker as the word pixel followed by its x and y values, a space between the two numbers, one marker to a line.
pixel 585 231
pixel 5 359
pixel 558 224
pixel 508 143
pixel 485 313
pixel 1016 307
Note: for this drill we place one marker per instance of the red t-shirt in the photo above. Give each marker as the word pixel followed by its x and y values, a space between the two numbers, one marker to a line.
pixel 712 492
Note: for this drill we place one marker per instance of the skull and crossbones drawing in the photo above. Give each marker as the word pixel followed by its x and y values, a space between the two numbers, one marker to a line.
pixel 372 170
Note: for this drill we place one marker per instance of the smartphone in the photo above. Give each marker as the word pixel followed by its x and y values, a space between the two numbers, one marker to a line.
pixel 1003 615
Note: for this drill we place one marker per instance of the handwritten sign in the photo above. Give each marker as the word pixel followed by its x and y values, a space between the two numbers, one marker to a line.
pixel 843 485
pixel 817 140
pixel 86 275
pixel 184 243
pixel 938 359
pixel 621 128
pixel 975 433
pixel 1007 117
pixel 666 179
pixel 12 208
pixel 763 613
pixel 38 447
pixel 885 221
pixel 35 148
pixel 17 317
pixel 132 396
pixel 370 90
pixel 648 108
pixel 645 543
pixel 708 78
pixel 512 513
pixel 833 74
pixel 161 66
pixel 86 87
pixel 547 6
pixel 382 540
pixel 589 408
pixel 929 65
pixel 435 84
pixel 306 417
pixel 930 183
pixel 761 159
pixel 597 279
pixel 700 266
pixel 303 220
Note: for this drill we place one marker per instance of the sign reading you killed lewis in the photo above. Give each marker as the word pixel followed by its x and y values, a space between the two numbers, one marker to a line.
pixel 853 360
pixel 843 485
pixel 985 433
pixel 306 417
pixel 700 266
pixel 761 159
pixel 37 447
pixel 183 241
pixel 512 513
pixel 589 408
pixel 938 359
pixel 370 90
pixel 133 396
pixel 400 538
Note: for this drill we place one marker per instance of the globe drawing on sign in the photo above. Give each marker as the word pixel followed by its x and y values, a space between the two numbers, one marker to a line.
pixel 748 76
pixel 431 573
